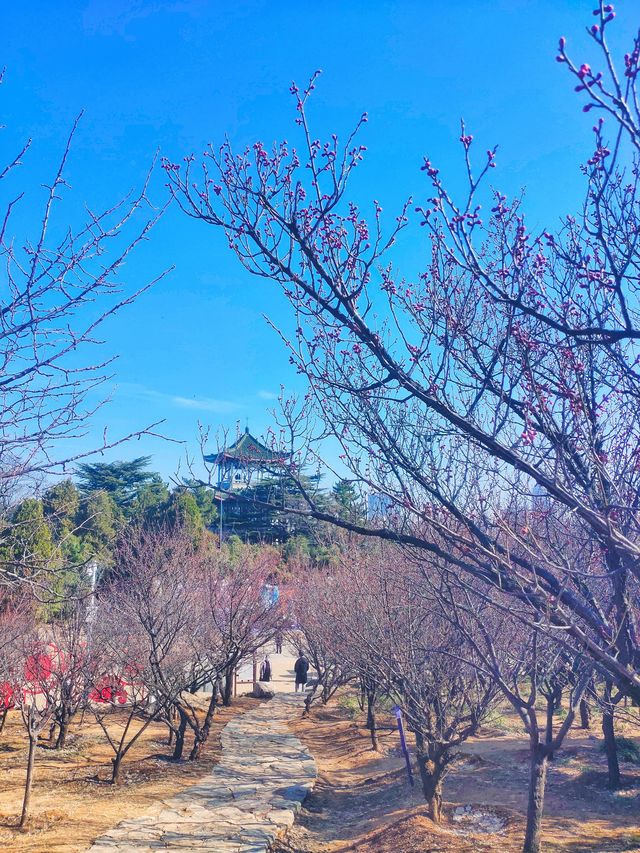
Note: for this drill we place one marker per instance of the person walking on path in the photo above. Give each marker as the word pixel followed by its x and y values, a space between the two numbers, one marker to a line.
pixel 265 669
pixel 279 643
pixel 301 668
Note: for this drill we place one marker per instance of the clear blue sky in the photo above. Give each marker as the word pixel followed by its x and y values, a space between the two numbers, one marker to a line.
pixel 176 74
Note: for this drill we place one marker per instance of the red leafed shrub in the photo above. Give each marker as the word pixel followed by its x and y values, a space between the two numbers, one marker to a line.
pixel 110 688
pixel 6 696
pixel 38 668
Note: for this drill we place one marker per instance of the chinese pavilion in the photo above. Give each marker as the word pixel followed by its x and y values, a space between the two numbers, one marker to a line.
pixel 245 463
pixel 248 475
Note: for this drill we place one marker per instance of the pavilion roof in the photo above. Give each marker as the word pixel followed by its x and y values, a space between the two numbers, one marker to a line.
pixel 247 450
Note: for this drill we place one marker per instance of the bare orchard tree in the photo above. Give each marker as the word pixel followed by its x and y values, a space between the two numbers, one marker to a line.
pixel 315 601
pixel 157 570
pixel 423 662
pixel 59 285
pixel 75 661
pixel 531 670
pixel 119 697
pixel 340 612
pixel 30 661
pixel 240 611
pixel 504 374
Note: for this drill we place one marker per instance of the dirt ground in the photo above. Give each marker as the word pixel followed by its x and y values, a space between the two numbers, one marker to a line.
pixel 72 801
pixel 362 801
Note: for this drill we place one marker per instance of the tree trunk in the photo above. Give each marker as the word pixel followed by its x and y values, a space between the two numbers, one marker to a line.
pixel 535 806
pixel 228 688
pixel 65 719
pixel 203 735
pixel 171 716
pixel 33 742
pixel 363 694
pixel 610 745
pixel 585 714
pixel 182 727
pixel 371 719
pixel 554 704
pixel 3 719
pixel 373 729
pixel 116 761
pixel 431 770
pixel 308 700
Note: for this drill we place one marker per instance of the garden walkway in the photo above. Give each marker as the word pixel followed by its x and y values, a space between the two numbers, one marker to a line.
pixel 251 796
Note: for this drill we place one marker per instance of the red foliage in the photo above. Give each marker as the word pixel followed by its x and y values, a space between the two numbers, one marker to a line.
pixel 37 669
pixel 6 696
pixel 109 689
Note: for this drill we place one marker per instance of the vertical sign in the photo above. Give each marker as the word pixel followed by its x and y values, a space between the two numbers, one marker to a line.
pixel 403 743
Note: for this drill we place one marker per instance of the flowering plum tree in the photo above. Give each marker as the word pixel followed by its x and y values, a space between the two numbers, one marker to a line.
pixel 501 384
pixel 74 664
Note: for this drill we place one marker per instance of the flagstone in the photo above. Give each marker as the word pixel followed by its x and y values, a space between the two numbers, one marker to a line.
pixel 250 797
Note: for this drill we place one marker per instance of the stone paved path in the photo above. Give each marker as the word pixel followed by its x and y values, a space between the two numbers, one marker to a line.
pixel 251 796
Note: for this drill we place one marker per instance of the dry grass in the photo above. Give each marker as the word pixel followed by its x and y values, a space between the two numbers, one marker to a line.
pixel 362 801
pixel 72 801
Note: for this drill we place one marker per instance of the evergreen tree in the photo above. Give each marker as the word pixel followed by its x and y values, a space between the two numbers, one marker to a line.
pixel 123 481
pixel 151 499
pixel 28 547
pixel 258 513
pixel 205 500
pixel 347 502
pixel 182 510
pixel 61 505
pixel 100 519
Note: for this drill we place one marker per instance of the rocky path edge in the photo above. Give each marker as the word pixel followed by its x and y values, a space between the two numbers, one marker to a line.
pixel 248 800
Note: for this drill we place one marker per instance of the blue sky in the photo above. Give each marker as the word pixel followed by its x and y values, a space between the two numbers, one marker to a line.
pixel 175 75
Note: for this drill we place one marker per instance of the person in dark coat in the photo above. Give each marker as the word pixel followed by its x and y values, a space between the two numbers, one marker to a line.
pixel 265 669
pixel 301 668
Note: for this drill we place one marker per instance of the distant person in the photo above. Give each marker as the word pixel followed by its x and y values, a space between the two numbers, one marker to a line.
pixel 301 668
pixel 265 669
pixel 278 640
